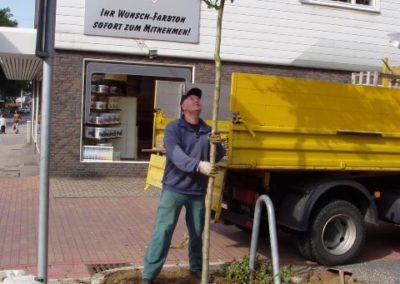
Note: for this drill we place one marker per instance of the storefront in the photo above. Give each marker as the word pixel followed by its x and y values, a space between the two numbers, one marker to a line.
pixel 103 106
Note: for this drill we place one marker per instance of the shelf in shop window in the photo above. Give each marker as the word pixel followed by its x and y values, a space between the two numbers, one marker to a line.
pixel 102 124
pixel 99 93
pixel 98 161
pixel 108 82
pixel 105 109
pixel 109 94
pixel 104 138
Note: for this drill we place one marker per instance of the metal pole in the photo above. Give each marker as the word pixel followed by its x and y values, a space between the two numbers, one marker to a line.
pixel 33 111
pixel 50 19
pixel 272 235
pixel 37 118
pixel 29 132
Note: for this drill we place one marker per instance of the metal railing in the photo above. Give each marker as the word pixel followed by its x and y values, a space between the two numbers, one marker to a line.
pixel 272 236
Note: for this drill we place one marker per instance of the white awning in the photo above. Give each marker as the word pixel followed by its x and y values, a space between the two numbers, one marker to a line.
pixel 17 54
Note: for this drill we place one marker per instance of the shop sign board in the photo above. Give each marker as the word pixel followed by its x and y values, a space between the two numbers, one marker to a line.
pixel 169 20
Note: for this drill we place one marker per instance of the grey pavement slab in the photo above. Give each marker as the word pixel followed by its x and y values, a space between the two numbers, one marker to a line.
pixel 86 187
pixel 376 271
pixel 17 157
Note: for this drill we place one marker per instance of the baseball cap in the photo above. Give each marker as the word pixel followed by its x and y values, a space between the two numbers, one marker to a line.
pixel 193 91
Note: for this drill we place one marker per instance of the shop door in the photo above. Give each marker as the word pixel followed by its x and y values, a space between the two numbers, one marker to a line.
pixel 167 98
pixel 168 95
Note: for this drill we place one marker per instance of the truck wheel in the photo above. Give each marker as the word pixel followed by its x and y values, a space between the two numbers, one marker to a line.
pixel 337 233
pixel 303 245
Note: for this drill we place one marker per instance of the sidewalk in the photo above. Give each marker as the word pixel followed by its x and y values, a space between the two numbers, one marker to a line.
pixel 107 228
pixel 93 223
pixel 97 224
pixel 17 158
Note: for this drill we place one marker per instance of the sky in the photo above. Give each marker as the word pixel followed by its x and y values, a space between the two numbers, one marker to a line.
pixel 23 11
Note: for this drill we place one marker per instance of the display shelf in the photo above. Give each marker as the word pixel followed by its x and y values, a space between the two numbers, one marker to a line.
pixel 103 138
pixel 108 82
pixel 97 132
pixel 102 124
pixel 97 153
pixel 108 94
pixel 105 110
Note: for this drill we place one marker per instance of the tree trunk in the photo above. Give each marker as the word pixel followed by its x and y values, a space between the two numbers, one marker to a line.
pixel 217 92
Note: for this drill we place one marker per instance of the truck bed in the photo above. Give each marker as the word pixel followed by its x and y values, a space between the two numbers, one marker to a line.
pixel 292 124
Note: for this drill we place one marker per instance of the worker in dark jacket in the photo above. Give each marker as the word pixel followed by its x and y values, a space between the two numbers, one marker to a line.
pixel 187 146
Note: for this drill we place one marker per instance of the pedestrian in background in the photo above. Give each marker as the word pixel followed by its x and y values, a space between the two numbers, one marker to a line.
pixel 3 124
pixel 16 119
pixel 186 173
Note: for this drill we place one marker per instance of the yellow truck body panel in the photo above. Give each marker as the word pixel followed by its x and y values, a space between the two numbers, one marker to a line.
pixel 297 124
pixel 155 172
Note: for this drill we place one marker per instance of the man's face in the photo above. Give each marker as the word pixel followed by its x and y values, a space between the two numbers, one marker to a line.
pixel 191 104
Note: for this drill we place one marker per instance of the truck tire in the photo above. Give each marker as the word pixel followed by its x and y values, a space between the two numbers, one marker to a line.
pixel 303 245
pixel 337 233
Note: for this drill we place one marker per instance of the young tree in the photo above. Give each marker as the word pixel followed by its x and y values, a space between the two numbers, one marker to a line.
pixel 218 5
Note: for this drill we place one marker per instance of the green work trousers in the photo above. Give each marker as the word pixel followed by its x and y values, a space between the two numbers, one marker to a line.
pixel 170 206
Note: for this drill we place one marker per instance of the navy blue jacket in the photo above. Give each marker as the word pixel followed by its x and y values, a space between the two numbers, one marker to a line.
pixel 185 149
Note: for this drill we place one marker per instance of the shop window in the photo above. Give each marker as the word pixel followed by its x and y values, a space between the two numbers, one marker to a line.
pixel 368 5
pixel 118 109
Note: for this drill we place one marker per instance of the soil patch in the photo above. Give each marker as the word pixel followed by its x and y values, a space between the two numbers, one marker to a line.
pixel 182 276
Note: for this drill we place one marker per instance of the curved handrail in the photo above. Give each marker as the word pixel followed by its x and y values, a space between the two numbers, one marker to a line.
pixel 272 235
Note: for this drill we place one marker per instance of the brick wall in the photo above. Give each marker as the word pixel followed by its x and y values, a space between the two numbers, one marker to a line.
pixel 67 105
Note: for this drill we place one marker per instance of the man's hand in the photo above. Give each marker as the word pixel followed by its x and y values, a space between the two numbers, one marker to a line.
pixel 215 138
pixel 206 168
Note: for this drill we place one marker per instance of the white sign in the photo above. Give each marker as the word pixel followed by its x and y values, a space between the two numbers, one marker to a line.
pixel 169 20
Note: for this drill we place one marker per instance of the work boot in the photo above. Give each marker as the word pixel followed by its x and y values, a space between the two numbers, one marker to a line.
pixel 196 274
pixel 146 281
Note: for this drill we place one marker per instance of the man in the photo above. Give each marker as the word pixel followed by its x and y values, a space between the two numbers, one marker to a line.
pixel 187 146
pixel 2 124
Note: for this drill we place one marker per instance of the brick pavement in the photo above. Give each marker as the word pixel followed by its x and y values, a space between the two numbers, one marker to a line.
pixel 98 220
pixel 92 230
pixel 95 230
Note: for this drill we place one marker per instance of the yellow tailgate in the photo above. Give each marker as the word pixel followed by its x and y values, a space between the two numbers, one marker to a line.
pixel 155 171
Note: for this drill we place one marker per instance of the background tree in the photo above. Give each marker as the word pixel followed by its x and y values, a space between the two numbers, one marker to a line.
pixel 218 5
pixel 5 18
pixel 10 88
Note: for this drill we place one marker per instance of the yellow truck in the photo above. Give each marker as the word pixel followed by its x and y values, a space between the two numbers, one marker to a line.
pixel 327 154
